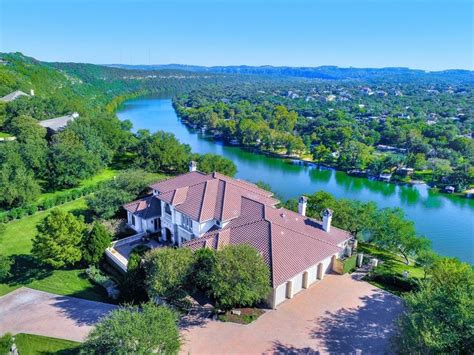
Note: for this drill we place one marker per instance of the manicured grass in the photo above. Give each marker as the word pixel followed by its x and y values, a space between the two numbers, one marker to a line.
pixel 16 241
pixel 392 262
pixel 29 344
pixel 389 274
pixel 105 175
pixel 5 135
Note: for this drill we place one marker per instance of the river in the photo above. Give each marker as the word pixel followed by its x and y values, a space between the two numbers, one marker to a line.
pixel 448 221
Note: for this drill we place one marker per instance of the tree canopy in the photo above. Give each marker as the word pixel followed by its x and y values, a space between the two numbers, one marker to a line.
pixel 130 330
pixel 440 316
pixel 59 238
pixel 239 277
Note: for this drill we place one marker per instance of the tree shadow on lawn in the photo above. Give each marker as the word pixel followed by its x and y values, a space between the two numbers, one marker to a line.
pixel 25 269
pixel 367 327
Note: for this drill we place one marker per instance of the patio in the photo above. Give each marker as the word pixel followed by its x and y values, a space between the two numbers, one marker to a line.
pixel 119 252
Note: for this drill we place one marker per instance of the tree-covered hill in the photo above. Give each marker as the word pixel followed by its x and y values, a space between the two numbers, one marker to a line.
pixel 323 72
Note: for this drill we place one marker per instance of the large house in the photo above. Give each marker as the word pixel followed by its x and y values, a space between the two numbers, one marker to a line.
pixel 15 95
pixel 55 125
pixel 198 210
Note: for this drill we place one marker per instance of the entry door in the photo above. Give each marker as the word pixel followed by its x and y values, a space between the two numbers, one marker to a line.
pixel 157 224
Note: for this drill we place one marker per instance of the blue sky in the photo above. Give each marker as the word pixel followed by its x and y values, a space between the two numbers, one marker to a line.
pixel 425 34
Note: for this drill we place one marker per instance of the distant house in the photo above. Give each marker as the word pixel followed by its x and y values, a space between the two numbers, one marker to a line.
pixel 54 125
pixel 385 177
pixel 405 171
pixel 449 189
pixel 14 95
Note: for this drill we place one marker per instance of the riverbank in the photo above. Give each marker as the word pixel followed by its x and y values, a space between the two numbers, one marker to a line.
pixel 445 219
pixel 294 159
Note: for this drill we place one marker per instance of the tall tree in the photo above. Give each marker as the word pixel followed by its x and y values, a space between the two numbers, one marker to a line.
pixel 208 163
pixel 130 330
pixel 33 145
pixel 94 243
pixel 59 238
pixel 162 152
pixel 239 277
pixel 393 232
pixel 18 185
pixel 440 317
pixel 167 271
pixel 70 162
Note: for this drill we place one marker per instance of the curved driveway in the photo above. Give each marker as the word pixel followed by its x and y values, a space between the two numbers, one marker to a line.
pixel 30 311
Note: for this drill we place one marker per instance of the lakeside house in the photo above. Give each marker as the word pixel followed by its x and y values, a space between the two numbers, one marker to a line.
pixel 54 125
pixel 197 210
pixel 15 95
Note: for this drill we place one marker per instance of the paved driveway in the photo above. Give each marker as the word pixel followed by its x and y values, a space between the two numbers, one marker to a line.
pixel 29 311
pixel 337 315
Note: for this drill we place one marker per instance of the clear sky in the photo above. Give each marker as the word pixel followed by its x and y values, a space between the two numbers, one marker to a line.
pixel 425 34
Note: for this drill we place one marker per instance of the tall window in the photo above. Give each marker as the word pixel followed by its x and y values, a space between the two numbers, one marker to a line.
pixel 186 222
pixel 133 220
pixel 168 209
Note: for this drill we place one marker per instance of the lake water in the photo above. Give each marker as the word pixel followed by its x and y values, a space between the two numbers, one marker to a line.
pixel 447 220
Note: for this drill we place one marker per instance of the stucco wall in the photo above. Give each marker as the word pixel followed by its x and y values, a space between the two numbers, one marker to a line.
pixel 279 294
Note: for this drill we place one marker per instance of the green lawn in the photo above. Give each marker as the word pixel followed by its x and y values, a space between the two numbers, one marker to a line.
pixel 104 175
pixel 395 263
pixel 16 241
pixel 389 274
pixel 5 135
pixel 29 344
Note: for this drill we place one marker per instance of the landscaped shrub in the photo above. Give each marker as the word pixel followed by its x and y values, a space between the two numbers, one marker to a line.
pixel 349 264
pixel 32 209
pixel 394 282
pixel 136 256
pixel 6 342
pixel 96 275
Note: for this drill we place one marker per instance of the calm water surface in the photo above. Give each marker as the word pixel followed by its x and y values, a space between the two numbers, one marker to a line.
pixel 447 220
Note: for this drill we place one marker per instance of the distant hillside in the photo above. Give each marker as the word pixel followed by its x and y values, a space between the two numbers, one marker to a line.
pixel 322 72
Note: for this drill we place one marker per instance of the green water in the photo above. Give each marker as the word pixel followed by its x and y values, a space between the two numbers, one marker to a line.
pixel 448 221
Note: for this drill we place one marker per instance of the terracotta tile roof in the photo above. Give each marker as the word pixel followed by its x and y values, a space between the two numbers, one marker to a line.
pixel 204 197
pixel 146 207
pixel 289 243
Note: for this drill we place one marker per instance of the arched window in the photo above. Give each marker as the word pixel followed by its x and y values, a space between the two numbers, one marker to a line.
pixel 167 209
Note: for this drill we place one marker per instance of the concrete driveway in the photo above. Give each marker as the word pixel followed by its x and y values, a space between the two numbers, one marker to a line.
pixel 29 311
pixel 337 315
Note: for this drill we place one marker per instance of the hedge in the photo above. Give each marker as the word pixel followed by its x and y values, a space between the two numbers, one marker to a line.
pixel 28 210
pixel 394 282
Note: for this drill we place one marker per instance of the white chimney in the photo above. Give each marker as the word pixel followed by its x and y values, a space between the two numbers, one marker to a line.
pixel 327 219
pixel 192 166
pixel 302 203
pixel 32 92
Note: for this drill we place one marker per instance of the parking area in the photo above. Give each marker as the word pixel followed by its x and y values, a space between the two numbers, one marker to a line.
pixel 30 311
pixel 340 314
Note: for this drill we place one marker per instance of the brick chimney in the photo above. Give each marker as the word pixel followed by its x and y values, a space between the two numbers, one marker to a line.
pixel 192 166
pixel 327 219
pixel 302 203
